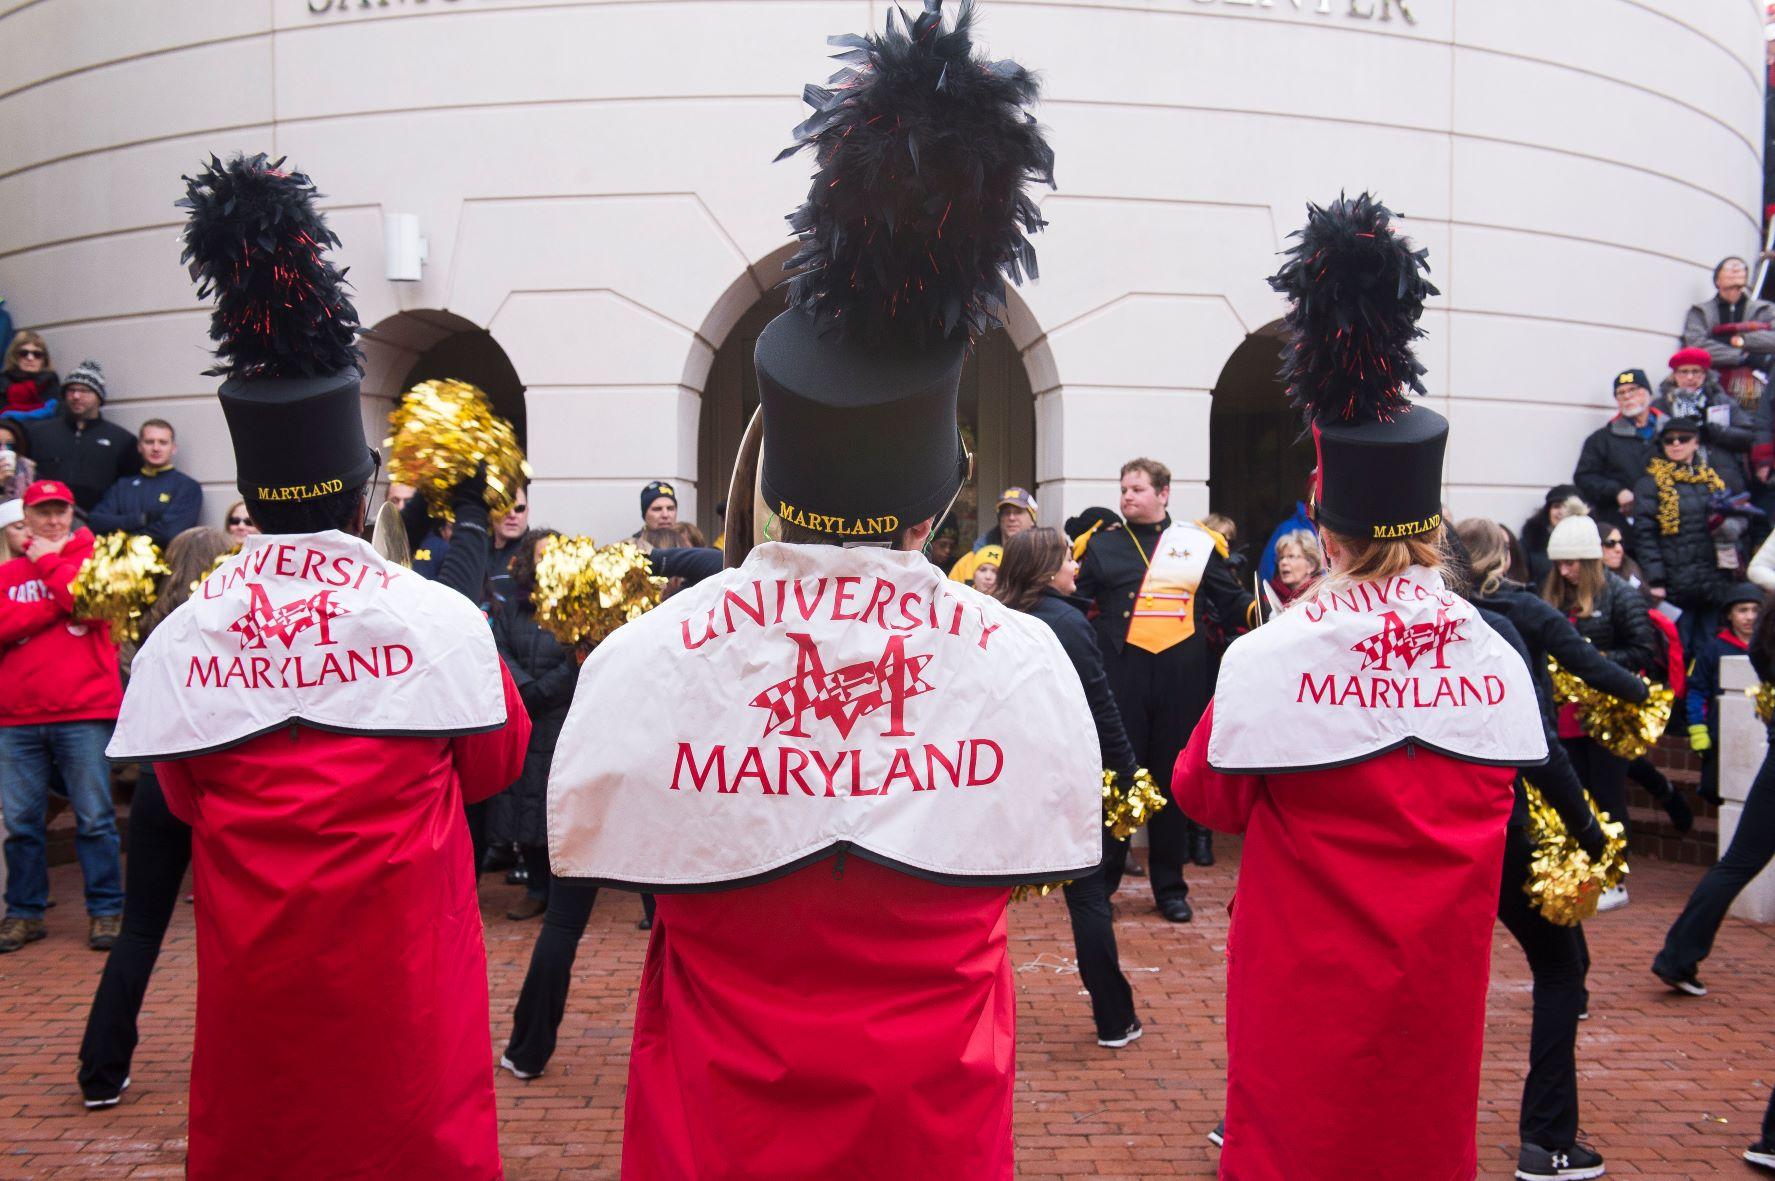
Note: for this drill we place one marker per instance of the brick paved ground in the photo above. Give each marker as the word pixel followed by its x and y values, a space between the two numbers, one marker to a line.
pixel 1672 1087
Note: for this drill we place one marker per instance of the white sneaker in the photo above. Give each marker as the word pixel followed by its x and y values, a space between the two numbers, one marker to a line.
pixel 1613 898
pixel 1115 1043
pixel 506 1064
pixel 1761 1153
pixel 109 1100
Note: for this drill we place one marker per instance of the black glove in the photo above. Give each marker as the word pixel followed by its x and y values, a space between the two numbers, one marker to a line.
pixel 1591 839
pixel 470 489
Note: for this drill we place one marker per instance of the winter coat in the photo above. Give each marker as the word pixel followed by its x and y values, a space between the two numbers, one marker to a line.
pixel 53 667
pixel 1533 537
pixel 1704 317
pixel 1067 617
pixel 1762 566
pixel 30 395
pixel 1704 677
pixel 1683 563
pixel 1735 436
pixel 545 674
pixel 1548 633
pixel 1618 628
pixel 340 954
pixel 1614 457
pixel 159 506
pixel 88 457
pixel 1557 780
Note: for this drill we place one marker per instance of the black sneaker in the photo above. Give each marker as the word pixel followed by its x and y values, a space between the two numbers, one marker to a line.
pixel 1218 1136
pixel 1761 1153
pixel 1686 983
pixel 1576 1163
pixel 96 1100
pixel 1117 1041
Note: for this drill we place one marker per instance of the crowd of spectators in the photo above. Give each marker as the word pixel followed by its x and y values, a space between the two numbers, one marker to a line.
pixel 67 474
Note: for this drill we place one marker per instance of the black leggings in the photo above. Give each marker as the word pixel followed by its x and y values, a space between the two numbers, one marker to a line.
pixel 1094 942
pixel 1604 774
pixel 154 871
pixel 1753 845
pixel 1560 961
pixel 543 1000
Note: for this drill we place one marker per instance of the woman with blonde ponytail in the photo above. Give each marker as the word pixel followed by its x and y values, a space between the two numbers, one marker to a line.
pixel 1365 741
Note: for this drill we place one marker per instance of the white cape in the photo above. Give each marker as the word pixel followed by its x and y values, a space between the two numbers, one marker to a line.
pixel 819 698
pixel 1354 672
pixel 315 628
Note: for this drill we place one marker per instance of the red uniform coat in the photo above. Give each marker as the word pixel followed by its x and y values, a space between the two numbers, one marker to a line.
pixel 1357 961
pixel 342 980
pixel 902 1070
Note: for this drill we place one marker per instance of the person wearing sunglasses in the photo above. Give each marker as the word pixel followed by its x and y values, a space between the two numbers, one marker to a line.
pixel 31 385
pixel 1686 563
pixel 239 522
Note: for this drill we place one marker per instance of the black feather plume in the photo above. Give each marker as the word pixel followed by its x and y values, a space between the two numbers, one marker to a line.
pixel 917 213
pixel 1357 291
pixel 256 242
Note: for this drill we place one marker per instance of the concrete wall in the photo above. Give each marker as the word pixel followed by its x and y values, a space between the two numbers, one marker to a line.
pixel 595 185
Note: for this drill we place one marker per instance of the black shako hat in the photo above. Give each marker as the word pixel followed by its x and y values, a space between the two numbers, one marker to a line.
pixel 915 218
pixel 284 328
pixel 1357 292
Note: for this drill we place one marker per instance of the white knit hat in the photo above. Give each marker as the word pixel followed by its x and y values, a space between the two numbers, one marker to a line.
pixel 1575 537
pixel 11 512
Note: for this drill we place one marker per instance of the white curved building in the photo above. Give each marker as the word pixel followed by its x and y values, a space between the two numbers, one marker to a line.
pixel 593 180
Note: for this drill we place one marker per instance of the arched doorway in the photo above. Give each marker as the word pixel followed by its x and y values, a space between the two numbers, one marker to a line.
pixel 1258 461
pixel 426 345
pixel 996 413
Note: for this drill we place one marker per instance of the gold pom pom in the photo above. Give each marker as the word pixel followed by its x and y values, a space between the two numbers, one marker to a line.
pixel 585 591
pixel 1127 806
pixel 1563 883
pixel 119 583
pixel 440 433
pixel 1622 728
pixel 1025 893
pixel 1764 697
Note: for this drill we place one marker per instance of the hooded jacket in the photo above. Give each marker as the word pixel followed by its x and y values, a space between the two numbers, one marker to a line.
pixel 53 667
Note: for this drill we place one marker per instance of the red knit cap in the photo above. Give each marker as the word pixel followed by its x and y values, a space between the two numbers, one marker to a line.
pixel 1691 357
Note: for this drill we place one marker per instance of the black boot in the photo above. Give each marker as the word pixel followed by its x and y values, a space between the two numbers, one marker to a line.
pixel 1201 844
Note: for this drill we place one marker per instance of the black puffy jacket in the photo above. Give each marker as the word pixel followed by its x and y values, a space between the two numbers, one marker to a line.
pixel 1067 619
pixel 1618 627
pixel 1556 779
pixel 545 674
pixel 1683 563
pixel 1548 633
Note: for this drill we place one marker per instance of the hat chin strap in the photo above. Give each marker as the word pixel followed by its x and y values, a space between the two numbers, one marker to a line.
pixel 967 476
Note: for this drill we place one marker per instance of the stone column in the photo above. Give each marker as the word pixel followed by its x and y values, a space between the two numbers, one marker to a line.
pixel 1743 743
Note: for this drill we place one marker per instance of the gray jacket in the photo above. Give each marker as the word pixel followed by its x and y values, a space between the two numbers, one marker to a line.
pixel 1704 317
